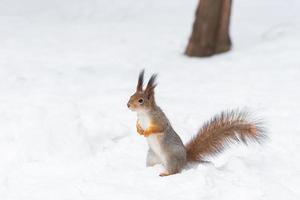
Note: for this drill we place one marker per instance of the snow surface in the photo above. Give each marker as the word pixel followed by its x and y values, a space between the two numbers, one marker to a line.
pixel 67 69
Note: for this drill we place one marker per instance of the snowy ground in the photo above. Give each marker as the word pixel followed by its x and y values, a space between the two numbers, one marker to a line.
pixel 67 69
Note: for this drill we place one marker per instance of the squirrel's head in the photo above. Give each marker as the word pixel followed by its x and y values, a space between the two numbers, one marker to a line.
pixel 143 100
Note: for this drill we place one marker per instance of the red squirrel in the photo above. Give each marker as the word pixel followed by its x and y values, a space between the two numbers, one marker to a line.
pixel 166 147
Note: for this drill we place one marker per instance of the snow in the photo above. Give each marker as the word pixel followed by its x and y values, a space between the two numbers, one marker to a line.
pixel 68 68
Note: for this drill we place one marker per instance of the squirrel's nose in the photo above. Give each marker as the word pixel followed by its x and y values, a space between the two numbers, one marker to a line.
pixel 128 105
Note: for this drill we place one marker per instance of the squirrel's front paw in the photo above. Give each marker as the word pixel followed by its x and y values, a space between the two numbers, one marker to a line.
pixel 139 129
pixel 146 133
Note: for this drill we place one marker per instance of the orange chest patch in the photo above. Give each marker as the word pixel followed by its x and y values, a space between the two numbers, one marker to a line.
pixel 153 129
pixel 146 127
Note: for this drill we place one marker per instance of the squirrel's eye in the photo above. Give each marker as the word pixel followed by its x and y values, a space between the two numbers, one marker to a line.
pixel 141 101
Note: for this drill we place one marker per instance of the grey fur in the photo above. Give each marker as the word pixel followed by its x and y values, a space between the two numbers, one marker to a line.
pixel 173 149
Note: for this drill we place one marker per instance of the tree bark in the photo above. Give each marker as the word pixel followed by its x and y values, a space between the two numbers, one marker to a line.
pixel 210 33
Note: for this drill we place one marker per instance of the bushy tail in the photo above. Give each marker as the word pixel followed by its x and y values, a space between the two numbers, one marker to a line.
pixel 222 130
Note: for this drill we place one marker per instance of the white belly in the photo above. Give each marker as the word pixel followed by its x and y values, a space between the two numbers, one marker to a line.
pixel 153 139
pixel 154 143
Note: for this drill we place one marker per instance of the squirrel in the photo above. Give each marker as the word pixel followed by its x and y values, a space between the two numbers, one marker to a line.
pixel 165 145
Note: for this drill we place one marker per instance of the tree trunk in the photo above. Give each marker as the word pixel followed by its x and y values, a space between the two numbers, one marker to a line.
pixel 211 29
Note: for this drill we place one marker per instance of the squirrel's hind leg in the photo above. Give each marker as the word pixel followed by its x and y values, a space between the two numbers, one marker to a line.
pixel 173 165
pixel 152 159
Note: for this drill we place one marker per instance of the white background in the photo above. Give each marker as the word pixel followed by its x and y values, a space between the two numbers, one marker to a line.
pixel 67 69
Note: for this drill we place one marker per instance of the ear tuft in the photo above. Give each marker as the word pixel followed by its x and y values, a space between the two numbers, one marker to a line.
pixel 151 85
pixel 139 86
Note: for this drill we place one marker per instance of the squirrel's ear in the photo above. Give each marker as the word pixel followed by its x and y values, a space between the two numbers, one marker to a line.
pixel 139 86
pixel 150 86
